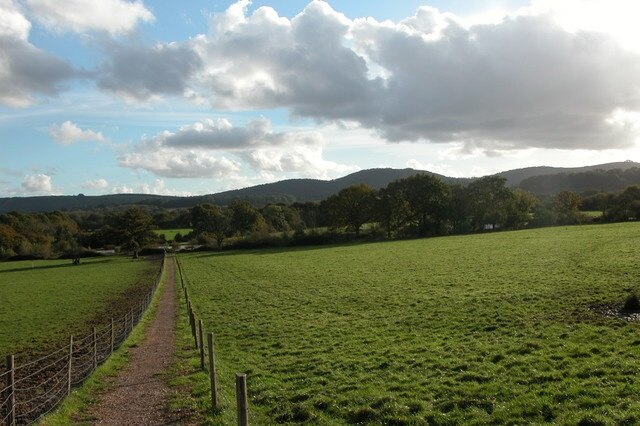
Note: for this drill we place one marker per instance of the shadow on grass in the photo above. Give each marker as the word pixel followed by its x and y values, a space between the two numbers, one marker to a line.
pixel 62 265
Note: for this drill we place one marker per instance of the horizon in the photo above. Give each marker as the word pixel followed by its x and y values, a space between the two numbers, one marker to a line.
pixel 206 97
pixel 325 180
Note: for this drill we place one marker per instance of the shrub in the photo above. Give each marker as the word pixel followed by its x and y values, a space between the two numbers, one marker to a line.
pixel 632 304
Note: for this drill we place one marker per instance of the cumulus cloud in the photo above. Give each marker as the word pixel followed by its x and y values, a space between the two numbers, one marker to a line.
pixel 110 16
pixel 157 188
pixel 68 133
pixel 25 70
pixel 167 162
pixel 305 161
pixel 187 152
pixel 140 73
pixel 522 81
pixel 221 134
pixel 95 184
pixel 39 183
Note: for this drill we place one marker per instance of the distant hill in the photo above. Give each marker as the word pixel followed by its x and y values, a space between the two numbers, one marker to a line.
pixel 540 180
pixel 303 190
pixel 593 180
pixel 516 176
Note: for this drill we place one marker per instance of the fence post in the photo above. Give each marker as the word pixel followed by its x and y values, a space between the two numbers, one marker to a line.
pixel 201 340
pixel 11 397
pixel 195 334
pixel 112 337
pixel 130 322
pixel 212 372
pixel 95 349
pixel 241 399
pixel 69 366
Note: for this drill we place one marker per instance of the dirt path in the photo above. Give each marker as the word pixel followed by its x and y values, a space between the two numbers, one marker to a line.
pixel 139 395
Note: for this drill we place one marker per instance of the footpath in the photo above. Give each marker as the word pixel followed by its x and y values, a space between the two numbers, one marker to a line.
pixel 140 395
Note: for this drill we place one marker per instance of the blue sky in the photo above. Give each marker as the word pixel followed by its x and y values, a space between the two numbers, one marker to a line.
pixel 203 96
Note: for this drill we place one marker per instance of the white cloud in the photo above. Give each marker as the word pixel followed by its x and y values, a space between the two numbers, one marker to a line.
pixel 168 162
pixel 157 188
pixel 95 184
pixel 186 152
pixel 502 83
pixel 307 161
pixel 39 183
pixel 221 134
pixel 68 133
pixel 110 16
pixel 25 70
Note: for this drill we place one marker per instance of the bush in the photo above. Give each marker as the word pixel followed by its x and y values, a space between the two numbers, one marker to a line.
pixel 632 304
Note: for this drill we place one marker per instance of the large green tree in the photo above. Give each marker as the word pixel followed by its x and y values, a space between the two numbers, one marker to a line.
pixel 209 219
pixel 133 229
pixel 352 207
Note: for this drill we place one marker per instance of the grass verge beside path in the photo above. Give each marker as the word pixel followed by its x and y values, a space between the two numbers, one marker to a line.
pixel 74 408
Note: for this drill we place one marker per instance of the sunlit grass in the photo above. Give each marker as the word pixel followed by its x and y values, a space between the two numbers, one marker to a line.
pixel 493 328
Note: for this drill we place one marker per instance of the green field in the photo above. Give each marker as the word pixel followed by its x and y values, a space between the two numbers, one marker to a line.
pixel 43 302
pixel 592 214
pixel 482 329
pixel 170 234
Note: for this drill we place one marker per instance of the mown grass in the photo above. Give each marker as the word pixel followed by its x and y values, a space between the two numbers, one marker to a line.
pixel 481 329
pixel 170 234
pixel 43 302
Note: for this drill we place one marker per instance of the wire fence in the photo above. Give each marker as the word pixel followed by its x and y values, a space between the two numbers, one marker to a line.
pixel 32 389
pixel 219 400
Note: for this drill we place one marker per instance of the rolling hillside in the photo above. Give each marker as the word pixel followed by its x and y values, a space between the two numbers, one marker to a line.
pixel 540 180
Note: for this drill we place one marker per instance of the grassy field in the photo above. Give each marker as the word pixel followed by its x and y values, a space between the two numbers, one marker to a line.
pixel 43 302
pixel 482 329
pixel 170 234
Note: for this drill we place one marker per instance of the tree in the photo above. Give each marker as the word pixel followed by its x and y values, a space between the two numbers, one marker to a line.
pixel 352 207
pixel 490 201
pixel 391 209
pixel 244 217
pixel 133 229
pixel 209 219
pixel 566 204
pixel 425 202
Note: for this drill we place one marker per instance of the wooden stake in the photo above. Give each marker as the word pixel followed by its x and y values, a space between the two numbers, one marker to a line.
pixel 11 383
pixel 69 366
pixel 201 340
pixel 113 337
pixel 95 349
pixel 212 372
pixel 241 399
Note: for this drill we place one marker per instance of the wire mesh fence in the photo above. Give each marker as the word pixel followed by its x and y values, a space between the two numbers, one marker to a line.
pixel 32 389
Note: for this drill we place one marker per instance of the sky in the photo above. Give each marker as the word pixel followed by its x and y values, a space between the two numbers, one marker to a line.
pixel 198 97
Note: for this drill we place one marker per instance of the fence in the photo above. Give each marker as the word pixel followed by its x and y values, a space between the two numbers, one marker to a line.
pixel 208 354
pixel 30 390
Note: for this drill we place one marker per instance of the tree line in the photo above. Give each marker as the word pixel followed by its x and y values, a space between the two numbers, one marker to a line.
pixel 417 206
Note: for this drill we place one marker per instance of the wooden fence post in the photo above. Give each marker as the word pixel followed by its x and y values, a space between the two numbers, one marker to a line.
pixel 212 372
pixel 112 337
pixel 201 340
pixel 11 396
pixel 95 349
pixel 241 399
pixel 195 334
pixel 131 321
pixel 69 366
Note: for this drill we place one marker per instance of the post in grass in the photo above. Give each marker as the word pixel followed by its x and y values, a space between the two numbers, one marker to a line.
pixel 241 399
pixel 95 349
pixel 11 396
pixel 212 372
pixel 201 340
pixel 69 366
